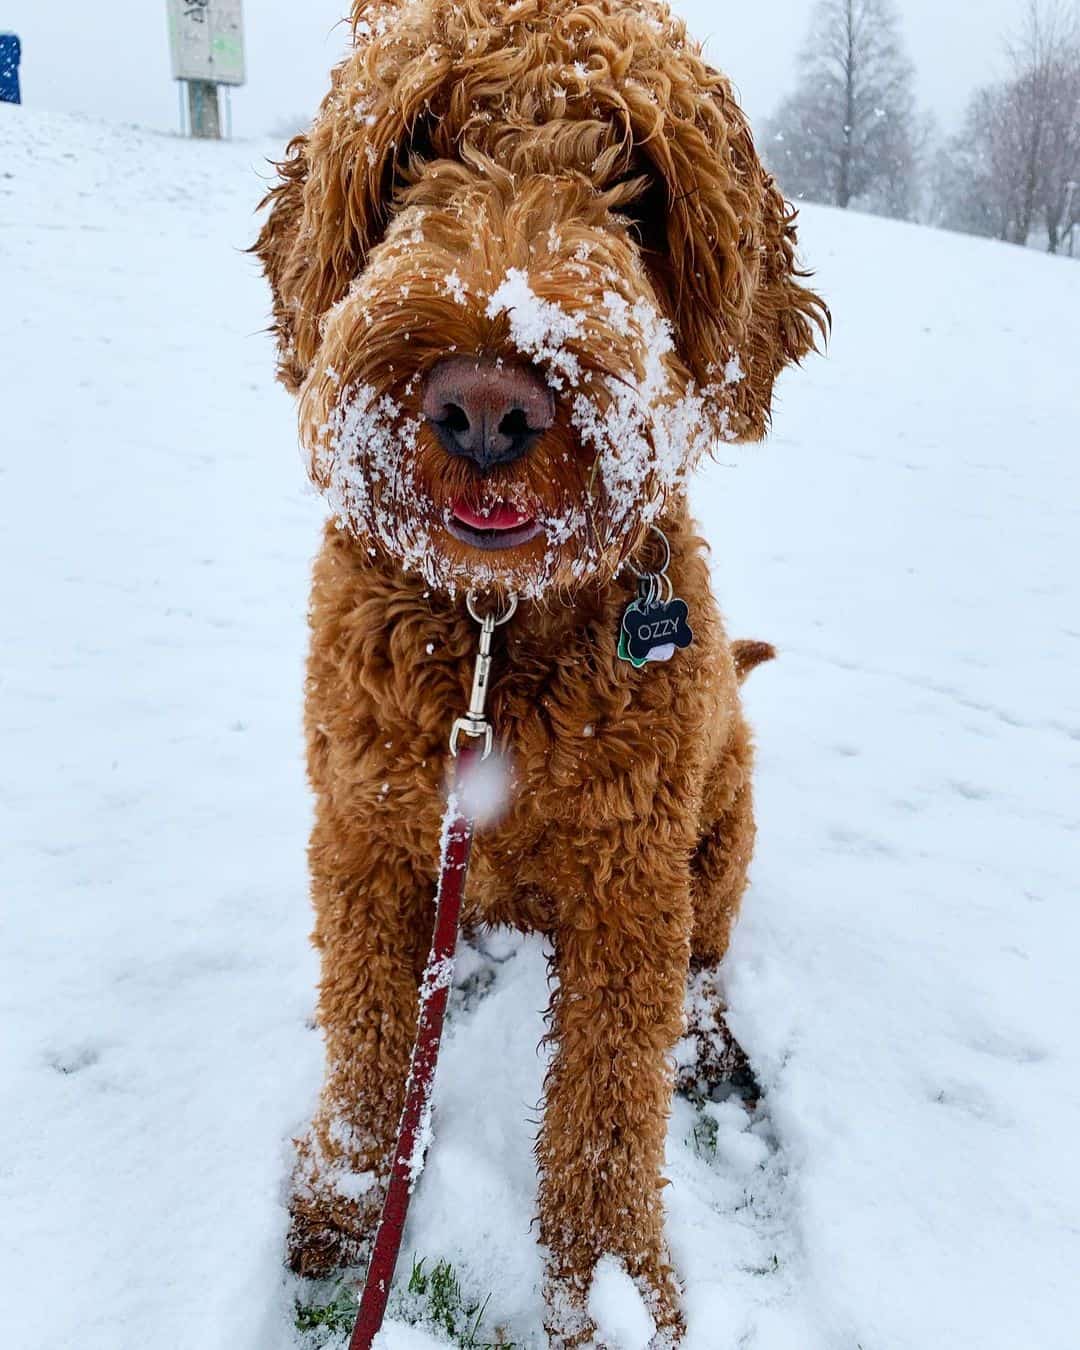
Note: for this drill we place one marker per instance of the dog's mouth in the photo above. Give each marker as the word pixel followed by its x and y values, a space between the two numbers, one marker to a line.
pixel 493 525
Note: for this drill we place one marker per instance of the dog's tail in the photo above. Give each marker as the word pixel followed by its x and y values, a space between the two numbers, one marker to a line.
pixel 748 655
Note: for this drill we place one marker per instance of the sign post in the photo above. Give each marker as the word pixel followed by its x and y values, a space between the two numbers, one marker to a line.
pixel 10 54
pixel 206 38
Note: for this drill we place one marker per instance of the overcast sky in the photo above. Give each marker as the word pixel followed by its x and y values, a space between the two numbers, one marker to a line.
pixel 112 59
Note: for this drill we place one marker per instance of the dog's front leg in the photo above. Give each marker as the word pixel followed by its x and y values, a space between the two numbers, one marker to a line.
pixel 372 928
pixel 621 955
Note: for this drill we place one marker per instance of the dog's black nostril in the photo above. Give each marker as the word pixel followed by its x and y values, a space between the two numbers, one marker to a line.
pixel 515 423
pixel 455 419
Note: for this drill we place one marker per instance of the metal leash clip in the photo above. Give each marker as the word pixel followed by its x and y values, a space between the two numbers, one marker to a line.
pixel 474 723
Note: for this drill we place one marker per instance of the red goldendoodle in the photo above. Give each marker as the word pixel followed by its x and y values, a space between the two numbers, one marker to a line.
pixel 527 268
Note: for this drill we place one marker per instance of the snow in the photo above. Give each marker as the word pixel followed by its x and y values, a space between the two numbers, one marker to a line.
pixel 486 788
pixel 615 1305
pixel 644 435
pixel 538 328
pixel 904 974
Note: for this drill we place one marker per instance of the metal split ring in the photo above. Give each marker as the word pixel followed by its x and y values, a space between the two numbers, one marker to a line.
pixel 472 599
pixel 655 588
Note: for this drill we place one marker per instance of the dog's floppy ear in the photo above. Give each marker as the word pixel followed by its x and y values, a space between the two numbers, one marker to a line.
pixel 725 265
pixel 335 191
pixel 276 249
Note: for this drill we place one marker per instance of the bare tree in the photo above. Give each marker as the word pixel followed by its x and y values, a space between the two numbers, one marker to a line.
pixel 1044 59
pixel 978 182
pixel 1011 166
pixel 1057 195
pixel 848 134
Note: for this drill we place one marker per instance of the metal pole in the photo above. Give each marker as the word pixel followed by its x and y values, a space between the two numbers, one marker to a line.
pixel 205 110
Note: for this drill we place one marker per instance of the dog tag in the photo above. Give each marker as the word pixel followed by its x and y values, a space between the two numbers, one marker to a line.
pixel 654 632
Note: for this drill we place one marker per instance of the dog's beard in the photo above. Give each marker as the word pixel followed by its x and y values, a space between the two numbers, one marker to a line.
pixel 369 465
pixel 368 462
pixel 634 431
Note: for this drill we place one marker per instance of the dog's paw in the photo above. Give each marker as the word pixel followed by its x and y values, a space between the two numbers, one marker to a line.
pixel 317 1247
pixel 330 1230
pixel 334 1203
pixel 711 1065
pixel 598 1313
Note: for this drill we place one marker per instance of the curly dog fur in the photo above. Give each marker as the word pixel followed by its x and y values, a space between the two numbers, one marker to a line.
pixel 567 188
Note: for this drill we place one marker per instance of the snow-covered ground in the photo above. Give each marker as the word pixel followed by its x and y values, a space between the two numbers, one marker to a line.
pixel 905 973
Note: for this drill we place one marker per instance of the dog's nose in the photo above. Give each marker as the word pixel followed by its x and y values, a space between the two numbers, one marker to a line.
pixel 487 412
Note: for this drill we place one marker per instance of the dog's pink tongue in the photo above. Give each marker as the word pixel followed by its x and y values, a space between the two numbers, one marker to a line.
pixel 497 516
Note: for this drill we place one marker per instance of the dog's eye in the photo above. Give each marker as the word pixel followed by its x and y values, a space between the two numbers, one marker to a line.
pixel 406 167
pixel 646 213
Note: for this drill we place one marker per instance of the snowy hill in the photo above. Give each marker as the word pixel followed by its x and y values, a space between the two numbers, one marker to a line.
pixel 905 973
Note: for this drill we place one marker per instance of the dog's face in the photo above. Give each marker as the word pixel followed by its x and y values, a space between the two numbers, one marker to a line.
pixel 498 398
pixel 527 269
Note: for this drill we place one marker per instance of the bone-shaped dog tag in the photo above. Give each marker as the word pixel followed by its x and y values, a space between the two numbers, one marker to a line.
pixel 654 632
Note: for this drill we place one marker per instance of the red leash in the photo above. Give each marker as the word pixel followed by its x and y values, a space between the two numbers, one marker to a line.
pixel 414 1130
pixel 415 1126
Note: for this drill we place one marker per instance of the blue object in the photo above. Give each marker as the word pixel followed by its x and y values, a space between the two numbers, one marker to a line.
pixel 10 54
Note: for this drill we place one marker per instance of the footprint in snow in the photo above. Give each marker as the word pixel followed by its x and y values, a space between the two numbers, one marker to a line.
pixel 74 1060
